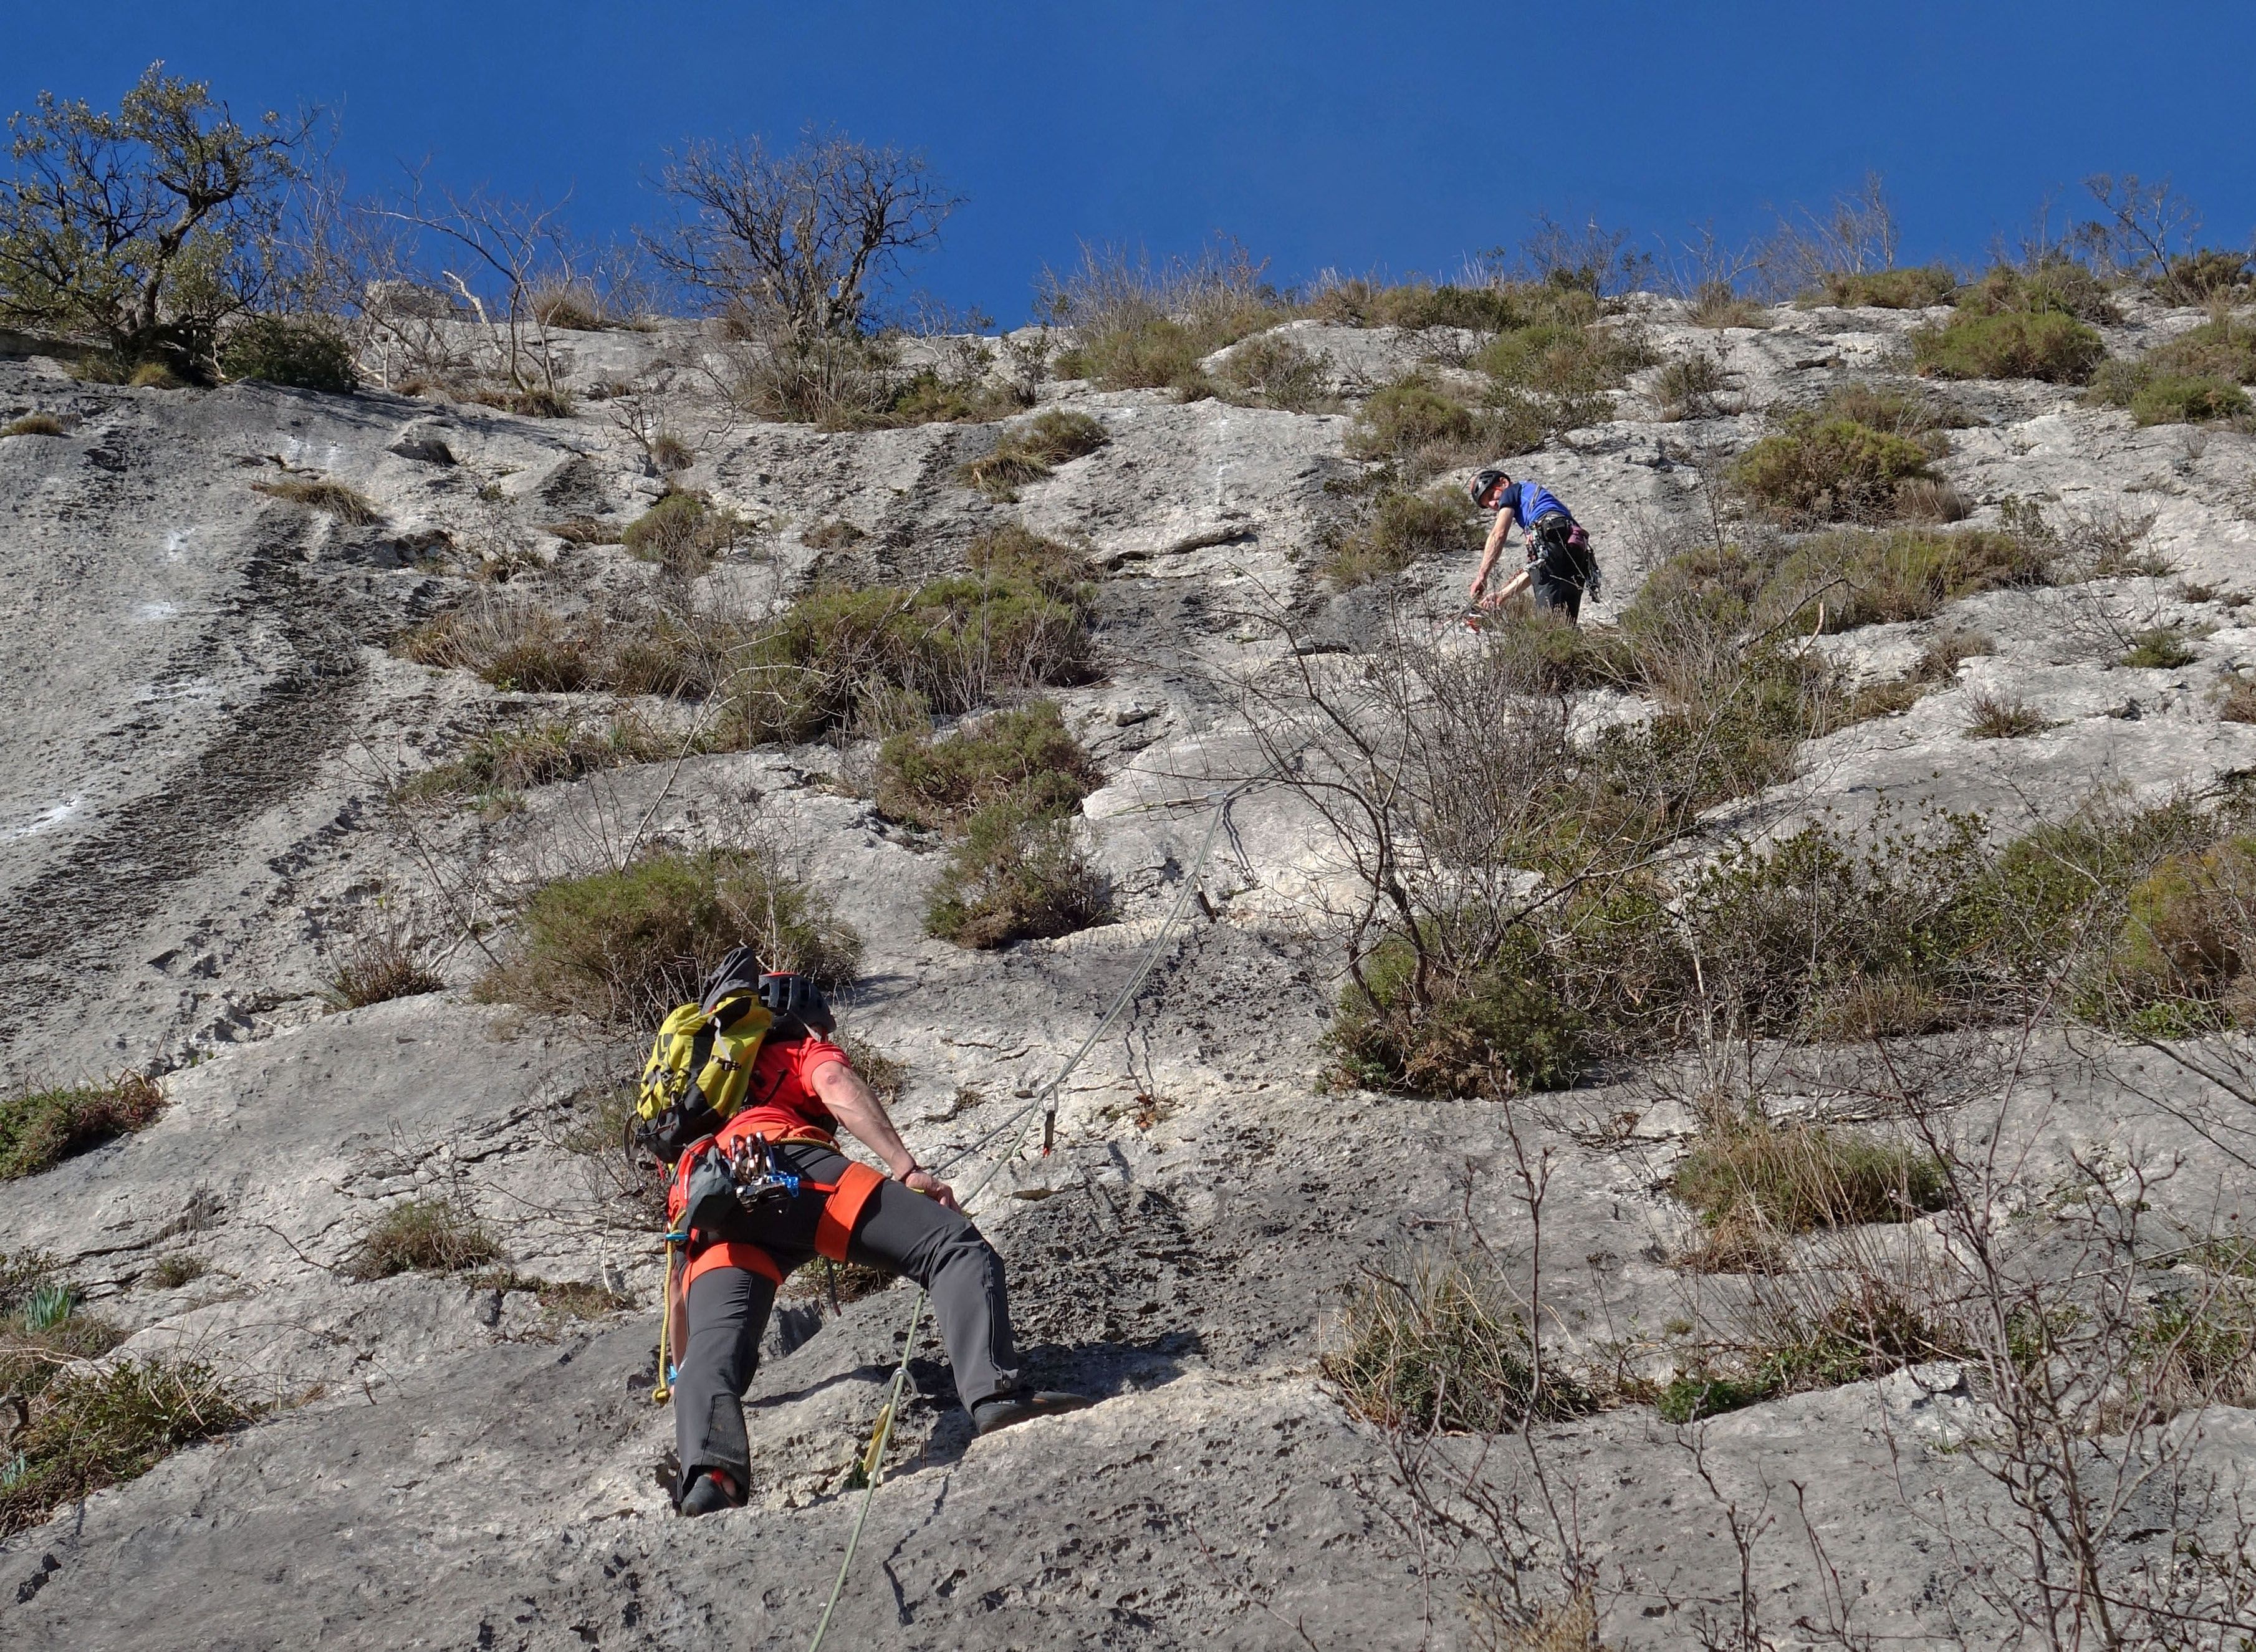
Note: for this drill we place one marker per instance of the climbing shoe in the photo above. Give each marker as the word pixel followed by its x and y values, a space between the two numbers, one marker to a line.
pixel 1005 1410
pixel 706 1495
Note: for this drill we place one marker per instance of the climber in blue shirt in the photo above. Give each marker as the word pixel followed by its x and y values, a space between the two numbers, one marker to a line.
pixel 1561 568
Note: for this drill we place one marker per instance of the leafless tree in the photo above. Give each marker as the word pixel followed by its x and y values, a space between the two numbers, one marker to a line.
pixel 2146 226
pixel 800 240
pixel 1856 236
pixel 498 256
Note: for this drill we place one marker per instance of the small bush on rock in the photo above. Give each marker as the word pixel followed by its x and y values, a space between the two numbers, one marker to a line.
pixel 1910 289
pixel 38 1128
pixel 281 349
pixel 432 1235
pixel 1408 415
pixel 1715 304
pixel 1817 469
pixel 938 784
pixel 379 968
pixel 1503 1025
pixel 1444 1350
pixel 37 424
pixel 1403 527
pixel 1029 452
pixel 100 1427
pixel 624 947
pixel 1017 873
pixel 2056 287
pixel 2012 345
pixel 1271 370
pixel 1797 1178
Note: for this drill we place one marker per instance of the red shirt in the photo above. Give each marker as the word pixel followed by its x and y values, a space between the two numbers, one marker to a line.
pixel 779 1102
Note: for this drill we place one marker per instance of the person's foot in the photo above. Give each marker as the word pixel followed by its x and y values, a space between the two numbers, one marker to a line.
pixel 1002 1410
pixel 710 1492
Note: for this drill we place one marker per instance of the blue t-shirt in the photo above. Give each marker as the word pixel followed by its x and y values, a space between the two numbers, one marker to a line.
pixel 1529 503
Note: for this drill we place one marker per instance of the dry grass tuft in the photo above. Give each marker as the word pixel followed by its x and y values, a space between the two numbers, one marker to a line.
pixel 36 424
pixel 1796 1178
pixel 429 1235
pixel 2002 717
pixel 332 498
pixel 1029 452
pixel 378 968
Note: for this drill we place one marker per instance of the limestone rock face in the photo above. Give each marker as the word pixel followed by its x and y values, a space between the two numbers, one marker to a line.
pixel 205 813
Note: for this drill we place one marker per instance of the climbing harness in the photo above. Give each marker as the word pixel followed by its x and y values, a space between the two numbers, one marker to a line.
pixel 1045 1101
pixel 758 1181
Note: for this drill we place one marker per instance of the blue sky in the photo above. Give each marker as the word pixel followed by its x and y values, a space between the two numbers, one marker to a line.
pixel 1353 135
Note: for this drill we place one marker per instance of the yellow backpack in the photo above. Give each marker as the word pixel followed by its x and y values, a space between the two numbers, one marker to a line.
pixel 699 1065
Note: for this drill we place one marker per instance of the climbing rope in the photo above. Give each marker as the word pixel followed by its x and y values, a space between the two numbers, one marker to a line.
pixel 1045 1101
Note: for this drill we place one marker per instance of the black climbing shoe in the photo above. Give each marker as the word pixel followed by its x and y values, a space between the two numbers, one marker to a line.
pixel 1003 1409
pixel 706 1497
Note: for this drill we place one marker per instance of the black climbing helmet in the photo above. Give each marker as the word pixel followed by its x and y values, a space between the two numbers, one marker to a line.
pixel 1483 481
pixel 797 1005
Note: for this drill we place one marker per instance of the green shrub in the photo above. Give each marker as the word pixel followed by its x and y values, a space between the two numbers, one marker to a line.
pixel 2161 648
pixel 338 499
pixel 2193 377
pixel 2049 345
pixel 2171 400
pixel 2057 286
pixel 940 783
pixel 625 947
pixel 429 1235
pixel 1819 468
pixel 100 1427
pixel 38 1128
pixel 1912 289
pixel 1503 1023
pixel 958 642
pixel 1016 552
pixel 682 533
pixel 1444 1350
pixel 1797 1178
pixel 1410 414
pixel 1017 873
pixel 1403 526
pixel 37 424
pixel 305 354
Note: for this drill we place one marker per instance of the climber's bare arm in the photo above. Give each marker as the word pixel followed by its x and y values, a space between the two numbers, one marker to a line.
pixel 1490 553
pixel 857 1109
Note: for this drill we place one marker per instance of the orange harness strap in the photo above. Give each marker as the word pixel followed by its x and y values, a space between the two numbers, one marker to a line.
pixel 833 1229
pixel 731 1253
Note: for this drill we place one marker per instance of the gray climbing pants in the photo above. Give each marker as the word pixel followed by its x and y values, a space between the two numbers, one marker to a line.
pixel 899 1231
